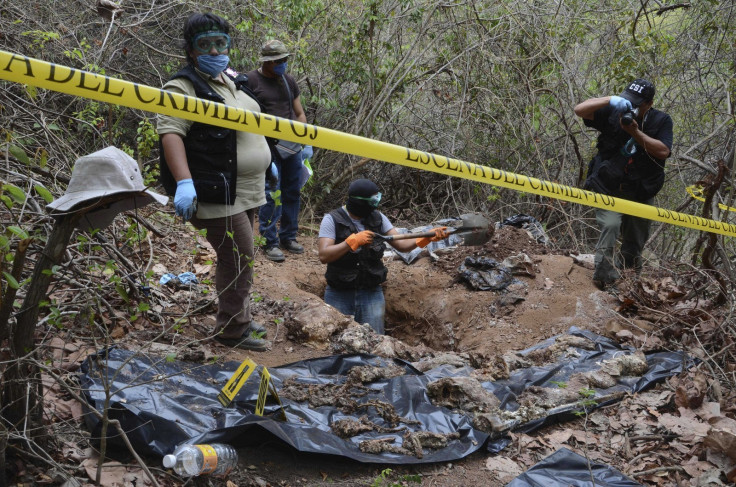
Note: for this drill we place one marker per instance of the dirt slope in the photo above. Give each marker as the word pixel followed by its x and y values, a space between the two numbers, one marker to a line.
pixel 431 308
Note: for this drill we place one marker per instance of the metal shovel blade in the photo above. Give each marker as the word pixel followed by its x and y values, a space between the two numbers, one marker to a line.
pixel 475 229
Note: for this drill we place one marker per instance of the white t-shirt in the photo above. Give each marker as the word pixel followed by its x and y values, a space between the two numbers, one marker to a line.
pixel 327 227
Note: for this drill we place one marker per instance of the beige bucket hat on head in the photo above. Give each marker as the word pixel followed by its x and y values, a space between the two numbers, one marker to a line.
pixel 104 173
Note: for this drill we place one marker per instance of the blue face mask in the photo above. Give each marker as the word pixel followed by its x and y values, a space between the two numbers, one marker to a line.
pixel 280 69
pixel 213 65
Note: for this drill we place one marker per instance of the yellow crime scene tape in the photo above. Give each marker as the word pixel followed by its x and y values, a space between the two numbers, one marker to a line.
pixel 697 193
pixel 23 69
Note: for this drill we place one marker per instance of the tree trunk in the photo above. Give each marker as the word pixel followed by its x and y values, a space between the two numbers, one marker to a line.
pixel 21 380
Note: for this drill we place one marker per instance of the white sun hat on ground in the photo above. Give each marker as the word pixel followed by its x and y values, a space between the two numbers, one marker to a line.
pixel 95 178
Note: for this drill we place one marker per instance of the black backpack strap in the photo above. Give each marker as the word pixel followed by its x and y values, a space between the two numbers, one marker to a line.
pixel 241 83
pixel 201 88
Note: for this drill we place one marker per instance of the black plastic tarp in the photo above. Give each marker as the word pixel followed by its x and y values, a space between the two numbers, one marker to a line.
pixel 565 468
pixel 660 366
pixel 530 224
pixel 162 403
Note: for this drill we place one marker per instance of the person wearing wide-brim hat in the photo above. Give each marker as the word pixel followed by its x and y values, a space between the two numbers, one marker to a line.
pixel 279 93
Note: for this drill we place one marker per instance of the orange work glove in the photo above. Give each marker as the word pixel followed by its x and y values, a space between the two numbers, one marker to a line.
pixel 357 240
pixel 440 233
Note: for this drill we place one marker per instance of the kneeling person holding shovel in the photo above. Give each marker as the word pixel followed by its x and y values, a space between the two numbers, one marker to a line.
pixel 350 244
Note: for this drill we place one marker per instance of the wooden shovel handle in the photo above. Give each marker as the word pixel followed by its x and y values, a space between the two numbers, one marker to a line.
pixel 406 236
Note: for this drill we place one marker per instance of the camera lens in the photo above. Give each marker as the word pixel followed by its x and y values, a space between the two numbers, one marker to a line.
pixel 628 117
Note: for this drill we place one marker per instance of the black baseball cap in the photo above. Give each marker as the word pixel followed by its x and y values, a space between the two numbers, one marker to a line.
pixel 639 91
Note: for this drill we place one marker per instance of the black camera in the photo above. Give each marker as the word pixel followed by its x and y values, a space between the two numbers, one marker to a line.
pixel 628 117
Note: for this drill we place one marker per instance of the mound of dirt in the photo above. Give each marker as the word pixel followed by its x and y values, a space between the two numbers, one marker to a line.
pixel 428 304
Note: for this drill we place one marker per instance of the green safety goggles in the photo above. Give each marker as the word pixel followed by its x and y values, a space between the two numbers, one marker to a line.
pixel 204 41
pixel 373 200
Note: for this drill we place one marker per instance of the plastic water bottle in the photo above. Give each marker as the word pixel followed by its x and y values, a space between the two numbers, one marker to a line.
pixel 193 460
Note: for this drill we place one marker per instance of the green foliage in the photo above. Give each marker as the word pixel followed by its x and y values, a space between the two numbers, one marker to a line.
pixel 90 117
pixel 11 281
pixel 54 317
pixel 179 324
pixel 19 153
pixel 15 194
pixel 40 38
pixel 147 137
pixel 43 193
pixel 4 245
pixel 276 197
pixel 18 232
pixel 386 479
pixel 586 401
pixel 135 233
pixel 50 272
pixel 78 53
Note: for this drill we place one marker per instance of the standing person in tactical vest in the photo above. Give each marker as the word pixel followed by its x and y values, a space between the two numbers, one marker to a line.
pixel 217 175
pixel 279 93
pixel 634 141
pixel 355 269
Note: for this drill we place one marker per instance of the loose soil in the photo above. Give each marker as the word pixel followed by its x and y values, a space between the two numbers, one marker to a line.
pixel 429 307
pixel 426 303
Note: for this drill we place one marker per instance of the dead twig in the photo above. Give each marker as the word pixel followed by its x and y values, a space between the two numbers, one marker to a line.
pixel 651 471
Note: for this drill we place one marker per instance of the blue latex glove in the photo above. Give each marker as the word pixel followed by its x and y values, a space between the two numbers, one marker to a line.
pixel 274 171
pixel 621 104
pixel 272 176
pixel 307 152
pixel 185 199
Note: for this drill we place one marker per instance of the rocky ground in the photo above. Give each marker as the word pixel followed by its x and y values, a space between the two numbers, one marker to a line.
pixel 664 436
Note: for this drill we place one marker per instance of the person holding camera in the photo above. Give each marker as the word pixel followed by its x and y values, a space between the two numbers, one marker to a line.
pixel 635 140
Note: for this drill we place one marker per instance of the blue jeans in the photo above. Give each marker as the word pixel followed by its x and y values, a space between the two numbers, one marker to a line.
pixel 287 210
pixel 365 305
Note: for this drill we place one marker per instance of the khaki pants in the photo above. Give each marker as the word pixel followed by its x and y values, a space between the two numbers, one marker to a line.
pixel 234 272
pixel 634 233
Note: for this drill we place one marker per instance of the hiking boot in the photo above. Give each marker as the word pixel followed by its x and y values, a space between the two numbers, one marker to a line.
pixel 256 328
pixel 275 254
pixel 293 247
pixel 246 342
